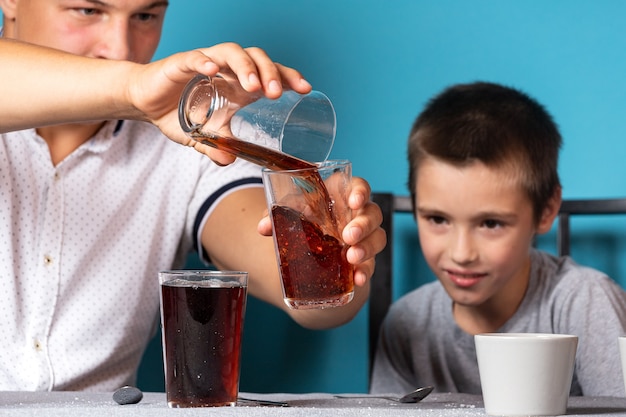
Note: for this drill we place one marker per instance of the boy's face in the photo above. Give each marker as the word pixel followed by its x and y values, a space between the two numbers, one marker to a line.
pixel 476 227
pixel 112 29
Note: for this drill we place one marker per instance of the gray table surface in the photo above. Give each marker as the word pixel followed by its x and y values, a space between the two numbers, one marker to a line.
pixel 51 404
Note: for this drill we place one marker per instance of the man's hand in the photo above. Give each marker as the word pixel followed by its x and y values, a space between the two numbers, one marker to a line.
pixel 155 88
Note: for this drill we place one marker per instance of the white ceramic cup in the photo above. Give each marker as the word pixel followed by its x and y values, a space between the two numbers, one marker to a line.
pixel 526 374
pixel 622 354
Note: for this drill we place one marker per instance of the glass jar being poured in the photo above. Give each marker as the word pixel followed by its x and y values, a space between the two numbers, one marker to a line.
pixel 291 132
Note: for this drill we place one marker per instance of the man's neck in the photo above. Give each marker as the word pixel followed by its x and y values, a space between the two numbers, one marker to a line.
pixel 62 140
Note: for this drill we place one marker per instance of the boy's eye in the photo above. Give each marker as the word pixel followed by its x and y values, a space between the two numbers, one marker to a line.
pixel 492 224
pixel 437 219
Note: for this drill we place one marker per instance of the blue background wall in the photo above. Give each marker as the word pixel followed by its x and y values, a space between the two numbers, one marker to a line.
pixel 379 62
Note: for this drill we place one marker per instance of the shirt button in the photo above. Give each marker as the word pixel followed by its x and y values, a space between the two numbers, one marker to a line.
pixel 47 259
pixel 57 176
pixel 37 345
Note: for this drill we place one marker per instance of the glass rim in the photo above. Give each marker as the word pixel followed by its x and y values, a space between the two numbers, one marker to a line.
pixel 327 164
pixel 201 272
pixel 190 276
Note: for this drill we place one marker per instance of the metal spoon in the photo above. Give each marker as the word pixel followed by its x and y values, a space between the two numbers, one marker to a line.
pixel 263 402
pixel 412 397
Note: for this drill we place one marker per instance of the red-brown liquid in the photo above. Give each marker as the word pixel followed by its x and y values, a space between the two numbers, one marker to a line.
pixel 313 264
pixel 318 199
pixel 252 152
pixel 202 329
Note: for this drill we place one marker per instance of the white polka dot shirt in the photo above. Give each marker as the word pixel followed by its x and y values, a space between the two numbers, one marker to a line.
pixel 81 245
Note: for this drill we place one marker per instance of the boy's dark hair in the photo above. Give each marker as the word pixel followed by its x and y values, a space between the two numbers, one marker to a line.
pixel 496 125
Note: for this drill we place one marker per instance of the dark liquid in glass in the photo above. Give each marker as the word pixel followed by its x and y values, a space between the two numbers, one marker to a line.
pixel 202 328
pixel 313 264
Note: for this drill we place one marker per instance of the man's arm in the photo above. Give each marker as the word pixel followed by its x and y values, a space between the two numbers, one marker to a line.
pixel 43 86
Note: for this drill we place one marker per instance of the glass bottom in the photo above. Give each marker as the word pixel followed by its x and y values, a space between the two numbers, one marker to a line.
pixel 308 304
pixel 178 404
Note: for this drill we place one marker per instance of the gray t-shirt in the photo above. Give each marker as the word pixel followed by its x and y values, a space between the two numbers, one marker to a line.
pixel 421 344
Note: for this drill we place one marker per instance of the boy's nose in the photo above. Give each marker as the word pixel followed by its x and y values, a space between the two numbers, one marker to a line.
pixel 462 248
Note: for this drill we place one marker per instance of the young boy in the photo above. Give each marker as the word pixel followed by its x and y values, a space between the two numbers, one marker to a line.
pixel 483 180
pixel 92 209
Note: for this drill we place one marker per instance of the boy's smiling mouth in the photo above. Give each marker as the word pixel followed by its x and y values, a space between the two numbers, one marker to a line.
pixel 464 279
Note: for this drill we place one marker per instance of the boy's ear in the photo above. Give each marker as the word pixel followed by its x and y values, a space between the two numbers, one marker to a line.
pixel 8 8
pixel 550 212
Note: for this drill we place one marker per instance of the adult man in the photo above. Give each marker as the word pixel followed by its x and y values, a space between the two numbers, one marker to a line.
pixel 93 210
